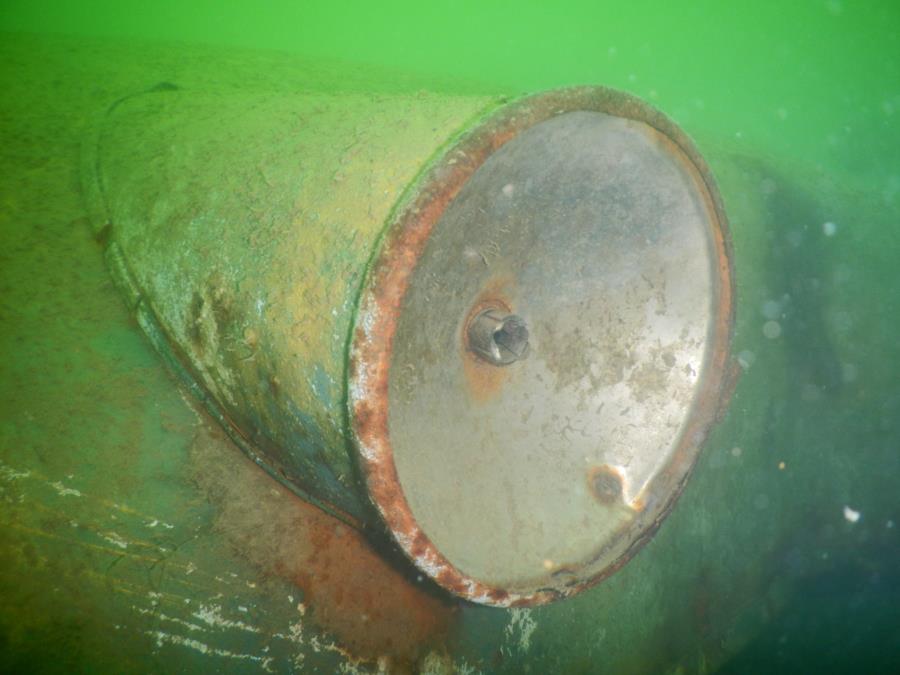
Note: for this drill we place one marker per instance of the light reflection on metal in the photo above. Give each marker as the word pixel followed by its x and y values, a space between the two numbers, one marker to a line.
pixel 497 337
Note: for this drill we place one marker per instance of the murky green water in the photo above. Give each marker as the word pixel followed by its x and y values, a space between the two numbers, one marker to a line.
pixel 797 108
pixel 814 79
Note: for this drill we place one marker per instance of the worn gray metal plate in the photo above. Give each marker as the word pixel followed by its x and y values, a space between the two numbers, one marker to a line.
pixel 596 231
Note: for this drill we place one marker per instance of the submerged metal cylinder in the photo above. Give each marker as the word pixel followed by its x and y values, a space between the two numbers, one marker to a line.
pixel 499 328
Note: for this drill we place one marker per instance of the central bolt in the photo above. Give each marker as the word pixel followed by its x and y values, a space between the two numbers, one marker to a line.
pixel 498 337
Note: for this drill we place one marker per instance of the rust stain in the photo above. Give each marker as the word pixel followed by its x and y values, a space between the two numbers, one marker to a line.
pixel 485 380
pixel 605 483
pixel 373 610
pixel 370 606
pixel 387 283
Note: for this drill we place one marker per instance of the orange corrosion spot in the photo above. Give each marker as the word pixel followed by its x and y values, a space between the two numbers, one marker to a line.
pixel 485 380
pixel 372 609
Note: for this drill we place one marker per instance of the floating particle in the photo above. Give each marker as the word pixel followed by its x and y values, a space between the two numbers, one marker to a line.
pixel 851 515
pixel 772 329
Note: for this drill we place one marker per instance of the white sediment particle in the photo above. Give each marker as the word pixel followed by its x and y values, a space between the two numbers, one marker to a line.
pixel 368 452
pixel 115 540
pixel 523 623
pixel 9 474
pixel 296 632
pixel 829 229
pixel 435 663
pixel 851 515
pixel 63 491
pixel 368 319
pixel 164 617
pixel 212 615
pixel 191 405
pixel 319 645
pixel 350 668
pixel 163 638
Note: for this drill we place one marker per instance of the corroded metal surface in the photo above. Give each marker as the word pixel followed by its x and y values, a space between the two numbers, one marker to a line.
pixel 243 261
pixel 398 284
pixel 135 538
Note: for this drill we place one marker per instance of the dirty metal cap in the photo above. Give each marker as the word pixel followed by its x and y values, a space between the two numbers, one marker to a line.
pixel 541 346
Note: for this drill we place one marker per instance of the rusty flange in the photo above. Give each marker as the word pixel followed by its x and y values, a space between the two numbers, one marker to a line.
pixel 409 382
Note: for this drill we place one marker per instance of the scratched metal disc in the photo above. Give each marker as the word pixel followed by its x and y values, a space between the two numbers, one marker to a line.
pixel 542 345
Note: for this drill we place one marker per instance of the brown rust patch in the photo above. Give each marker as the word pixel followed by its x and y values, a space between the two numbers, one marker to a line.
pixel 605 483
pixel 498 596
pixel 728 388
pixel 371 608
pixel 485 380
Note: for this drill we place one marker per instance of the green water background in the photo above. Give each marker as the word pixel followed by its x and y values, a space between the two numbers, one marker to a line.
pixel 817 79
pixel 812 87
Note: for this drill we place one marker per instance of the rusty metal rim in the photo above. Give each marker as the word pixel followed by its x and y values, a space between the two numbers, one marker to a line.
pixel 381 300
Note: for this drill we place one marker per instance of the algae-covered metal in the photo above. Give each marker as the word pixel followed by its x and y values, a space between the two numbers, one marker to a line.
pixel 134 537
pixel 300 256
pixel 242 223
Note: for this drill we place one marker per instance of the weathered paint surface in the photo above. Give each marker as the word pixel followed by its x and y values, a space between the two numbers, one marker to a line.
pixel 94 431
pixel 241 223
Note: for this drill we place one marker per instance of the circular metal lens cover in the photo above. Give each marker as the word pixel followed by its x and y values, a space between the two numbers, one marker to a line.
pixel 541 346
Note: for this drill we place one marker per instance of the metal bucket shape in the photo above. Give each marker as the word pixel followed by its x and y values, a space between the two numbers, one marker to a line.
pixel 503 325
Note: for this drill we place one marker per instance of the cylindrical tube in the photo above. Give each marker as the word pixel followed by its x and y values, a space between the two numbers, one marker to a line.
pixel 312 264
